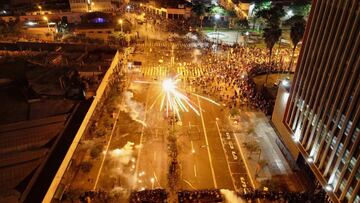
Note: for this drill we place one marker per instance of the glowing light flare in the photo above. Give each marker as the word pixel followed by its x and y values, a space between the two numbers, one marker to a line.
pixel 172 98
pixel 168 85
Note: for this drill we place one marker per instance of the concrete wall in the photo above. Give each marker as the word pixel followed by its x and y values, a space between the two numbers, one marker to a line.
pixel 277 120
pixel 105 85
pixel 71 17
pixel 95 33
pixel 102 5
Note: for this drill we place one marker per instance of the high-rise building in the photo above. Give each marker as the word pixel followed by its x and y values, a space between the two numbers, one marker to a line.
pixel 323 108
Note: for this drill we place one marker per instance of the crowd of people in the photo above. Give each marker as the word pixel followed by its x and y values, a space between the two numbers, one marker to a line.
pixel 157 195
pixel 186 196
pixel 229 75
pixel 294 197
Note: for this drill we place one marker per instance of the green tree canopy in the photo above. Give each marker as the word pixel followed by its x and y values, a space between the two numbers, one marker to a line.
pixel 271 35
pixel 261 5
pixel 272 15
pixel 217 10
pixel 199 9
pixel 301 8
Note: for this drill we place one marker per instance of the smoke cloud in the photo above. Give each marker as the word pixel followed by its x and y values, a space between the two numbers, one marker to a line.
pixel 122 161
pixel 135 109
pixel 231 197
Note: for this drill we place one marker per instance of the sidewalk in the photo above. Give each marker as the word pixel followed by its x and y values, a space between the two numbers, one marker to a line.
pixel 267 166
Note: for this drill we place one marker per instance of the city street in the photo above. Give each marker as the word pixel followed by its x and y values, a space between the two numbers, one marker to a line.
pixel 208 153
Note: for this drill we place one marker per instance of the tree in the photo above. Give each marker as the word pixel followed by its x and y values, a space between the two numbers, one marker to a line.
pixel 243 24
pixel 234 112
pixel 301 8
pixel 199 9
pixel 232 17
pixel 259 6
pixel 96 151
pixel 218 10
pixel 297 31
pixel 272 15
pixel 252 146
pixel 85 166
pixel 271 35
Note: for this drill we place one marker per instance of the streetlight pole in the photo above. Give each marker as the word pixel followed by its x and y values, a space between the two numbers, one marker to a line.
pixel 39 7
pixel 121 24
pixel 217 17
pixel 47 22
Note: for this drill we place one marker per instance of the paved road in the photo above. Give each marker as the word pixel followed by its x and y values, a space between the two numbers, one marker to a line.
pixel 209 155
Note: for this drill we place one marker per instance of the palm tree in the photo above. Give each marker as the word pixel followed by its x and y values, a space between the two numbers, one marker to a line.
pixel 271 35
pixel 297 31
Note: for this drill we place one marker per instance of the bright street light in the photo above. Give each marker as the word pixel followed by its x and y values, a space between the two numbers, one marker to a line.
pixel 217 16
pixel 290 13
pixel 329 188
pixel 152 183
pixel 47 22
pixel 121 24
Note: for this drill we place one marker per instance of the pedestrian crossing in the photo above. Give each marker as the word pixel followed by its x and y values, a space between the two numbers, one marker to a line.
pixel 159 71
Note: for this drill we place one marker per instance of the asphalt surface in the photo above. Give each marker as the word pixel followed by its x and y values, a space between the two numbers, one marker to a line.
pixel 209 155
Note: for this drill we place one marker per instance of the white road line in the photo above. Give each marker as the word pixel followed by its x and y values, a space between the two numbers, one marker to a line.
pixel 107 149
pixel 242 156
pixel 195 170
pixel 157 180
pixel 140 144
pixel 207 144
pixel 192 147
pixel 154 156
pixel 226 158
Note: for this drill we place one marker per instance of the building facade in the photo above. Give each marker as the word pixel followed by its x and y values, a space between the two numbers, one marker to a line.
pixel 91 5
pixel 170 11
pixel 323 108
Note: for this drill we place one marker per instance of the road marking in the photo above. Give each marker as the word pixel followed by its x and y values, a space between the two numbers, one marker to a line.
pixel 154 156
pixel 192 147
pixel 226 158
pixel 107 149
pixel 244 161
pixel 124 135
pixel 157 180
pixel 141 140
pixel 195 170
pixel 207 144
